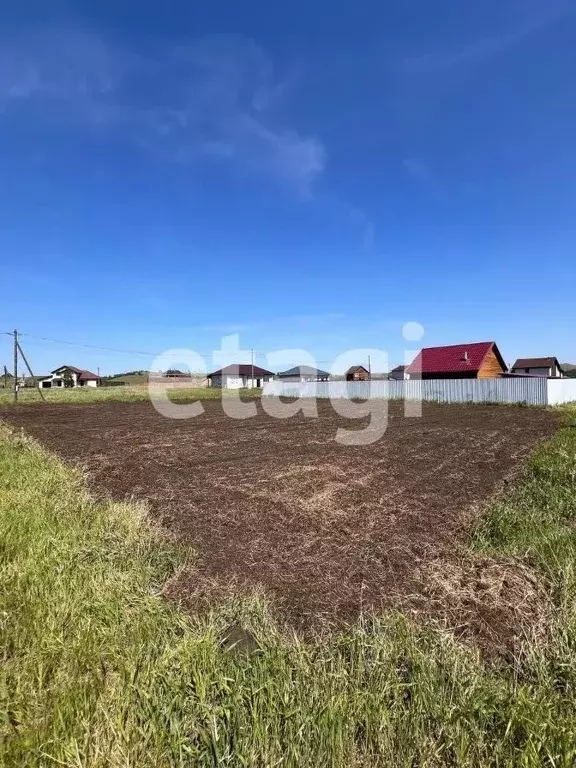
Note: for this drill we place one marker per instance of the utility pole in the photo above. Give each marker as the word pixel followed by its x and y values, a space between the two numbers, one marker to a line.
pixel 252 358
pixel 15 366
pixel 29 369
pixel 369 368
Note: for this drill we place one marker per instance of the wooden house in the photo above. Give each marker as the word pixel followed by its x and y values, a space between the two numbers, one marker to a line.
pixel 357 373
pixel 479 360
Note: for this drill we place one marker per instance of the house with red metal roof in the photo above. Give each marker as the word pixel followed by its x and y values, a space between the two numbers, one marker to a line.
pixel 68 376
pixel 478 360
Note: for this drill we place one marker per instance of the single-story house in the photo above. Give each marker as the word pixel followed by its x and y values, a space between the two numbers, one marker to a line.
pixel 357 373
pixel 478 360
pixel 548 367
pixel 68 376
pixel 304 373
pixel 239 376
pixel 398 373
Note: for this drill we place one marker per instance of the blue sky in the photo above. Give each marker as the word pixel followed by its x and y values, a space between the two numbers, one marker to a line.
pixel 306 175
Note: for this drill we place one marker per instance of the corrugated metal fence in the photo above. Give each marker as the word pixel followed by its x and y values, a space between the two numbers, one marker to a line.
pixel 530 391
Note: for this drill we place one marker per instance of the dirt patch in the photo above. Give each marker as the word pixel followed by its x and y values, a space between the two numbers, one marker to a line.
pixel 327 530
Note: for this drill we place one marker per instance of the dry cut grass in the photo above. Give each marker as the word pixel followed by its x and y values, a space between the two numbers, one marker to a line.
pixel 130 394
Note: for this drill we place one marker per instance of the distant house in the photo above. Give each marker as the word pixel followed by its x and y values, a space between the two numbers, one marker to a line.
pixel 479 360
pixel 304 373
pixel 239 376
pixel 357 373
pixel 398 373
pixel 68 376
pixel 548 367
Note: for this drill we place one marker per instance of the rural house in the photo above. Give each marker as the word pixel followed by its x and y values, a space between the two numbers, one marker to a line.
pixel 239 376
pixel 304 373
pixel 68 376
pixel 548 367
pixel 398 373
pixel 357 373
pixel 479 360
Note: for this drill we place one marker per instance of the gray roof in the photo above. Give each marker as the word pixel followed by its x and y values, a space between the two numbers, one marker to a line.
pixel 304 370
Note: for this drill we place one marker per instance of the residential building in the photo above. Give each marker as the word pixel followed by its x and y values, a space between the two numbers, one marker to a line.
pixel 357 373
pixel 478 360
pixel 304 373
pixel 398 373
pixel 239 376
pixel 68 376
pixel 548 367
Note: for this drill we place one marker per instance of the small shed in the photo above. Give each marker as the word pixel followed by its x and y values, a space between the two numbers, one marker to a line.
pixel 357 373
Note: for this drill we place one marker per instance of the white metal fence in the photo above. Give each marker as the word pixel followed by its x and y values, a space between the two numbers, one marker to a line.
pixel 561 391
pixel 531 391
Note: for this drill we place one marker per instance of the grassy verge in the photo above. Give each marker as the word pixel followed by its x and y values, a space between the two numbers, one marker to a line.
pixel 98 670
pixel 136 394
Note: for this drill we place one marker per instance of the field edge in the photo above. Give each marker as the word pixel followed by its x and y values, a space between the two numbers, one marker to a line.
pixel 99 670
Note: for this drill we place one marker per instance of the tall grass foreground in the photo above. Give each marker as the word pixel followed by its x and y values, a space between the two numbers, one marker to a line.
pixel 98 669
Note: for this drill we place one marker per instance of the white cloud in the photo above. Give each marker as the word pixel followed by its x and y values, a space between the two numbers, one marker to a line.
pixel 217 97
pixel 486 47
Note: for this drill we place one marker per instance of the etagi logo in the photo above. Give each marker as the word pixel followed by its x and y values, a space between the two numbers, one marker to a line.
pixel 368 402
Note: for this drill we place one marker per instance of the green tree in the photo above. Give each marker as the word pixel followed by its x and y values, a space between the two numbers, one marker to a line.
pixel 67 378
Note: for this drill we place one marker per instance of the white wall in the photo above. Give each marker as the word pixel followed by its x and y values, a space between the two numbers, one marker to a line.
pixel 238 382
pixel 233 382
pixel 561 391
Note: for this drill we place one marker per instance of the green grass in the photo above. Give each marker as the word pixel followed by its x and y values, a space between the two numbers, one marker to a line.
pixel 135 394
pixel 98 670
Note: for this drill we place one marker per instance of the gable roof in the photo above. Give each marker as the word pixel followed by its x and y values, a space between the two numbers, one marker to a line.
pixel 87 376
pixel 67 367
pixel 457 358
pixel 537 362
pixel 354 368
pixel 241 369
pixel 304 370
pixel 82 374
pixel 398 369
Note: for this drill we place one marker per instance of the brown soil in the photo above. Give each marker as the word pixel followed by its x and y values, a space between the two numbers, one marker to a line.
pixel 327 530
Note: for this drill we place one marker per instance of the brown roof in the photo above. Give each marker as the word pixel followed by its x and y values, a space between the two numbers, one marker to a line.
pixel 355 368
pixel 399 369
pixel 87 376
pixel 536 362
pixel 241 369
pixel 82 374
pixel 69 367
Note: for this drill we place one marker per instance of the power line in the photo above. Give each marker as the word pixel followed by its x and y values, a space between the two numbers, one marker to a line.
pixel 84 345
pixel 115 349
pixel 91 346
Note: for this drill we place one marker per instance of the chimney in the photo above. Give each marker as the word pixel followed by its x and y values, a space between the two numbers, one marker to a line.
pixel 465 356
